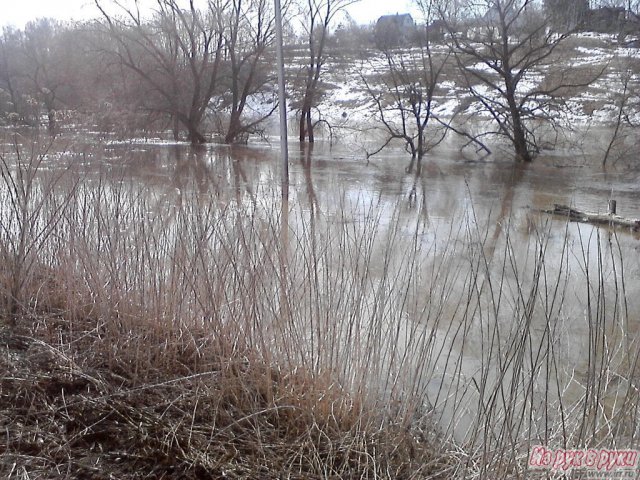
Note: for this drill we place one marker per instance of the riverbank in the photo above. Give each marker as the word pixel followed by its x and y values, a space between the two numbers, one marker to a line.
pixel 80 402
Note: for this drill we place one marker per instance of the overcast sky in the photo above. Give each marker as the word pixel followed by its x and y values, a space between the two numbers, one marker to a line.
pixel 19 12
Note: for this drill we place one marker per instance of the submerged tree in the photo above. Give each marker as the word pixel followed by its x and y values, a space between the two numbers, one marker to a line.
pixel 249 32
pixel 317 17
pixel 39 72
pixel 404 96
pixel 190 61
pixel 507 45
pixel 176 55
pixel 404 102
pixel 624 137
pixel 49 63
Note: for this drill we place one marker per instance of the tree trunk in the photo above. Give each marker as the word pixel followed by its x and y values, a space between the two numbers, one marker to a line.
pixel 176 128
pixel 303 126
pixel 309 126
pixel 519 134
pixel 520 144
pixel 235 128
pixel 419 163
pixel 594 218
pixel 306 124
pixel 194 136
pixel 409 169
pixel 51 116
pixel 193 129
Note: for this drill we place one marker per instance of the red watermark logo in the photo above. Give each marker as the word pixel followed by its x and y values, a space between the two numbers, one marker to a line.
pixel 602 460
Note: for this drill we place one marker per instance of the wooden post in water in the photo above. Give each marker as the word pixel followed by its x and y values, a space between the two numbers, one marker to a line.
pixel 612 207
pixel 282 101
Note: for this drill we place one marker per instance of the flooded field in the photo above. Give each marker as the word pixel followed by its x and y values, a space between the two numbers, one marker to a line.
pixel 447 296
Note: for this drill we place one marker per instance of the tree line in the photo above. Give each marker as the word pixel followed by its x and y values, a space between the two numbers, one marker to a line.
pixel 206 70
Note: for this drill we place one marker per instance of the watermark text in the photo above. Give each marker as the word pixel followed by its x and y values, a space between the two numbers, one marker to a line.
pixel 592 459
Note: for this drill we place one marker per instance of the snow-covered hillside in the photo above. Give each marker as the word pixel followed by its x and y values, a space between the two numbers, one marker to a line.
pixel 346 101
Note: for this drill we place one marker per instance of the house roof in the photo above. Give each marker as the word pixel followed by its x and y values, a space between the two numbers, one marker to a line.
pixel 398 18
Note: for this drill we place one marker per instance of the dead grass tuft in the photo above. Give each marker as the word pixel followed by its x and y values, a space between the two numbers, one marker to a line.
pixel 66 413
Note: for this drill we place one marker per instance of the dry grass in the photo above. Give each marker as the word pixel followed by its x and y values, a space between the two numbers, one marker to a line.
pixel 140 345
pixel 66 414
pixel 191 336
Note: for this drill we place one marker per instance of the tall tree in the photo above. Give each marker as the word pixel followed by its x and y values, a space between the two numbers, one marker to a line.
pixel 407 92
pixel 10 73
pixel 317 17
pixel 405 98
pixel 49 66
pixel 249 34
pixel 510 43
pixel 38 71
pixel 177 55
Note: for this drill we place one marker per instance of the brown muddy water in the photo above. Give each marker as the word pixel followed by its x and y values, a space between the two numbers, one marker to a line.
pixel 506 315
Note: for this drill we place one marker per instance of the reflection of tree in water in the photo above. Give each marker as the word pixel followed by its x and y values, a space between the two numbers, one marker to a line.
pixel 418 193
pixel 191 169
pixel 306 150
pixel 511 184
pixel 236 158
pixel 504 181
pixel 220 172
pixel 413 189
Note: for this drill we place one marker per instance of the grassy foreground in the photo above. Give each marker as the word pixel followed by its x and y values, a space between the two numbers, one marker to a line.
pixel 177 405
pixel 140 339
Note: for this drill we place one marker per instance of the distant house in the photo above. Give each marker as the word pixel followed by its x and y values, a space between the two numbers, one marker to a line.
pixel 436 31
pixel 394 30
pixel 565 15
pixel 517 18
pixel 518 21
pixel 604 20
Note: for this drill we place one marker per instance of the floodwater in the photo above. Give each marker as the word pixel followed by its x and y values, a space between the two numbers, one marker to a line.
pixel 479 216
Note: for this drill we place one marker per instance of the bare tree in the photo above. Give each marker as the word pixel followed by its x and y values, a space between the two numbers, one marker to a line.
pixel 317 16
pixel 10 72
pixel 406 93
pixel 48 67
pixel 624 137
pixel 39 39
pixel 249 34
pixel 509 43
pixel 38 71
pixel 404 101
pixel 177 56
pixel 632 21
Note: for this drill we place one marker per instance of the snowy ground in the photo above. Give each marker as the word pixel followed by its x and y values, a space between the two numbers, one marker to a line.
pixel 348 106
pixel 347 102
